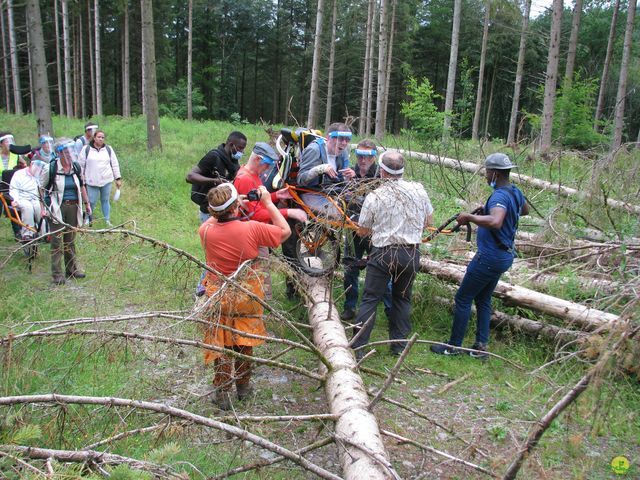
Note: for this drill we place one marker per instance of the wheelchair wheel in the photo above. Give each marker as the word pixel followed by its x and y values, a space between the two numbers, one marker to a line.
pixel 317 250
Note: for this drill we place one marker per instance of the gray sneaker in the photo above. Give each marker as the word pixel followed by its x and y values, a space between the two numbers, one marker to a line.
pixel 481 353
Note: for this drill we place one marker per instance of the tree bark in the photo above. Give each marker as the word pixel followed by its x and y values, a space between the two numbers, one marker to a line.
pixel 126 75
pixel 5 62
pixel 38 64
pixel 83 76
pixel 382 70
pixel 98 67
pixel 490 102
pixel 332 59
pixel 315 69
pixel 92 65
pixel 15 67
pixel 606 67
pixel 190 64
pixel 362 124
pixel 345 390
pixel 572 313
pixel 61 104
pixel 551 78
pixel 67 56
pixel 372 59
pixel 151 89
pixel 622 82
pixel 453 65
pixel 573 45
pixel 387 83
pixel 513 119
pixel 483 56
pixel 29 71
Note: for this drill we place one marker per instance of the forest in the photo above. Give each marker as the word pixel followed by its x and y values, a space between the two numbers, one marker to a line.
pixel 309 63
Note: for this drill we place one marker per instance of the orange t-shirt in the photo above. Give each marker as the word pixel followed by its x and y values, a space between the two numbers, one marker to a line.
pixel 227 245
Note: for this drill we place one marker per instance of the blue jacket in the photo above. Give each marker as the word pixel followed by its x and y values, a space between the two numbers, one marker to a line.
pixel 316 154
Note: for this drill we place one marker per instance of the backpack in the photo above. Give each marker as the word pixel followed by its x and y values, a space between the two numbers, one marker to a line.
pixel 53 171
pixel 82 139
pixel 85 151
pixel 285 171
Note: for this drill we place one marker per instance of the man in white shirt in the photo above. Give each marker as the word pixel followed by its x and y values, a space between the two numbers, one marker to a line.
pixel 395 215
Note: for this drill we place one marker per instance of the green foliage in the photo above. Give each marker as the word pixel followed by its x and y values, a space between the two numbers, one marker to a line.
pixel 26 435
pixel 573 118
pixel 173 101
pixel 464 104
pixel 421 111
pixel 124 472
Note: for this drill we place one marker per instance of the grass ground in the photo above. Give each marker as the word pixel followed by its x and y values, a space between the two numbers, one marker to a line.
pixel 492 409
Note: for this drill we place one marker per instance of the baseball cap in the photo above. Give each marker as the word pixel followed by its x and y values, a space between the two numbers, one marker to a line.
pixel 265 151
pixel 498 161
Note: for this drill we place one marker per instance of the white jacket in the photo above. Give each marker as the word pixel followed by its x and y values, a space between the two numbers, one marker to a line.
pixel 23 186
pixel 98 167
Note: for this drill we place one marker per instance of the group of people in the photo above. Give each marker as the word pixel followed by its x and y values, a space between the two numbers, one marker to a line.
pixel 61 182
pixel 240 221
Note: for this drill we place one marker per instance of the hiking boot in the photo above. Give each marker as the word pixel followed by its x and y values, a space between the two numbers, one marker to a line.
pixel 347 314
pixel 245 390
pixel 445 350
pixel 58 281
pixel 481 353
pixel 359 354
pixel 222 400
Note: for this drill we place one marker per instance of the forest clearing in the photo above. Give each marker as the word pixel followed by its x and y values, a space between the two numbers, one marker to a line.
pixel 113 363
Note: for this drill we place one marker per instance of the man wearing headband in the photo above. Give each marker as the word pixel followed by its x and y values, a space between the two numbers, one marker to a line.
pixel 496 234
pixel 218 165
pixel 395 214
pixel 89 129
pixel 325 162
pixel 248 179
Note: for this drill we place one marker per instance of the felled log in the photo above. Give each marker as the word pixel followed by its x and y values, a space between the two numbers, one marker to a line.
pixel 345 391
pixel 515 178
pixel 572 313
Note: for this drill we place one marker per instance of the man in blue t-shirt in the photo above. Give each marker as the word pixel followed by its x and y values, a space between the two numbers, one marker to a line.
pixel 496 235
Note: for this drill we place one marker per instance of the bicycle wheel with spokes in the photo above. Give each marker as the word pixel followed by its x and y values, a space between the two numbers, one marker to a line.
pixel 317 250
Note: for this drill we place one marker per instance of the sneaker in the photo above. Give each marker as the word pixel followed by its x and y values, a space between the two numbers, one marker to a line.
pixel 347 314
pixel 481 354
pixel 109 224
pixel 445 350
pixel 245 390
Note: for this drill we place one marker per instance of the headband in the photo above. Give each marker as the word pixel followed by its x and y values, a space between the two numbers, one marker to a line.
pixel 225 205
pixel 44 139
pixel 69 144
pixel 267 160
pixel 389 170
pixel 340 134
pixel 4 137
pixel 366 153
pixel 90 127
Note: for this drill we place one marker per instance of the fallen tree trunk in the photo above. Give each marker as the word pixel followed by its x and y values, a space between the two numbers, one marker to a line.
pixel 345 391
pixel 515 178
pixel 572 313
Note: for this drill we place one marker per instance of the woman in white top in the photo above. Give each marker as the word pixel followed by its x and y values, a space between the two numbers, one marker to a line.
pixel 100 168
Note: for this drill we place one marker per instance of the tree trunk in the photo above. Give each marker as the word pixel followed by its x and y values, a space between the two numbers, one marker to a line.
pixel 572 313
pixel 490 102
pixel 453 65
pixel 61 104
pixel 607 65
pixel 83 76
pixel 387 82
pixel 96 36
pixel 126 85
pixel 15 67
pixel 622 82
pixel 151 89
pixel 382 70
pixel 67 56
pixel 143 76
pixel 5 62
pixel 77 64
pixel 483 56
pixel 372 59
pixel 573 45
pixel 513 119
pixel 190 64
pixel 345 390
pixel 332 59
pixel 92 65
pixel 315 69
pixel 42 107
pixel 30 72
pixel 551 78
pixel 362 125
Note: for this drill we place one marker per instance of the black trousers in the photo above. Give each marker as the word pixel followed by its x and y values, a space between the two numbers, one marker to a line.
pixel 398 263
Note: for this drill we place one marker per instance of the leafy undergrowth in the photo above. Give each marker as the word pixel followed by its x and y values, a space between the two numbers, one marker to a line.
pixel 484 409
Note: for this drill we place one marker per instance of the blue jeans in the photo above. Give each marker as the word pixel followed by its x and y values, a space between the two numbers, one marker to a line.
pixel 104 192
pixel 478 284
pixel 352 276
